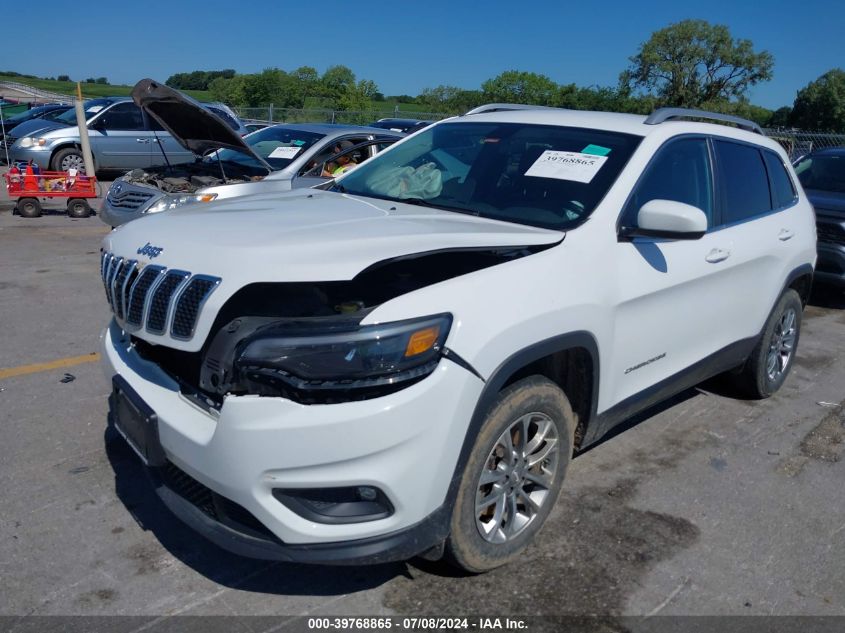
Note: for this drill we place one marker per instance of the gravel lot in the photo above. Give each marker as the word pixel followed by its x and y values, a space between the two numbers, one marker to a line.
pixel 707 505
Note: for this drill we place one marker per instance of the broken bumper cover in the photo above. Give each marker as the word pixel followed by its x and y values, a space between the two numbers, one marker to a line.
pixel 396 546
pixel 405 444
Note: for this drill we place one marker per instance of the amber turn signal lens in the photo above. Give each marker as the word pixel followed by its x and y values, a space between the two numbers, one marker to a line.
pixel 422 341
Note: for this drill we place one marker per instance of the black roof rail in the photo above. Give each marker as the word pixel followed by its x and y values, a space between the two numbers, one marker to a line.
pixel 667 114
pixel 503 107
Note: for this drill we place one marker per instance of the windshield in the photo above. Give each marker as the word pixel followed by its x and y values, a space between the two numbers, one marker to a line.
pixel 278 145
pixel 545 176
pixel 26 115
pixel 55 114
pixel 91 107
pixel 822 172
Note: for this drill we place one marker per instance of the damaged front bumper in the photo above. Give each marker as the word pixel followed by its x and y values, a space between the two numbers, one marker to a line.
pixel 404 445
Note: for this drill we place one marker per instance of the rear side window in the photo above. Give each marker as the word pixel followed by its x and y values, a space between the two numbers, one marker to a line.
pixel 680 172
pixel 744 181
pixel 783 191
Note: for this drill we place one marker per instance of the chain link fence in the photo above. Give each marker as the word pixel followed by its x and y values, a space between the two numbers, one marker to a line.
pixel 798 143
pixel 315 115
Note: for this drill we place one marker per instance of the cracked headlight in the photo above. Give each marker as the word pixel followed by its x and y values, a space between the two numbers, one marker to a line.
pixel 168 203
pixel 359 357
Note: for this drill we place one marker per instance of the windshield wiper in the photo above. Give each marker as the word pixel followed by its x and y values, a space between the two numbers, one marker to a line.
pixel 422 202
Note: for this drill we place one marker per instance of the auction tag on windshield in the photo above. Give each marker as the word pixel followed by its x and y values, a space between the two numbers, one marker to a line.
pixel 285 152
pixel 574 166
pixel 95 109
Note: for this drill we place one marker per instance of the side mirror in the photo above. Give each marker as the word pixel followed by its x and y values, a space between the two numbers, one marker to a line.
pixel 669 219
pixel 97 124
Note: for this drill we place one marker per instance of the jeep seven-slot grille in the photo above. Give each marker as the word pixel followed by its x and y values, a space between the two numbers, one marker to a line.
pixel 162 295
pixel 154 297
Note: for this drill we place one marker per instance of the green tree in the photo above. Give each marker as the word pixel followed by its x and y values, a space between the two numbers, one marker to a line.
pixel 305 83
pixel 335 82
pixel 225 90
pixel 63 78
pixel 741 108
pixel 449 99
pixel 693 62
pixel 820 105
pixel 197 79
pixel 780 117
pixel 102 80
pixel 513 86
pixel 357 96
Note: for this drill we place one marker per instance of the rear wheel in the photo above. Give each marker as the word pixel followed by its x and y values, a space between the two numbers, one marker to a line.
pixel 513 475
pixel 29 208
pixel 768 366
pixel 78 208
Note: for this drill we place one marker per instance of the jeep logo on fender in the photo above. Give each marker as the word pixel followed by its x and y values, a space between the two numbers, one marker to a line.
pixel 150 251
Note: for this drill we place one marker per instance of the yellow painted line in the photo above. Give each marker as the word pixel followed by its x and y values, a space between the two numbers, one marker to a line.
pixel 60 363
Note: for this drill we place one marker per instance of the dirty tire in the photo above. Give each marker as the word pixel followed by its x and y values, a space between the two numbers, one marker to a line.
pixel 66 158
pixel 29 208
pixel 480 542
pixel 768 365
pixel 78 208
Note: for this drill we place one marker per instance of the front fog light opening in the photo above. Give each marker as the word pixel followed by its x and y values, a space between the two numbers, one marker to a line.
pixel 351 504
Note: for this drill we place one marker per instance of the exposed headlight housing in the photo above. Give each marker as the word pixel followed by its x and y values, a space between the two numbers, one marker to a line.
pixel 168 203
pixel 356 357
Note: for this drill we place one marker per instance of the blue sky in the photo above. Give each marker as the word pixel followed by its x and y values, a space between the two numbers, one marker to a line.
pixel 407 46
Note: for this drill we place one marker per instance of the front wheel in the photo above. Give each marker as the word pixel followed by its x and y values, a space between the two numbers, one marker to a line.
pixel 68 158
pixel 513 475
pixel 768 366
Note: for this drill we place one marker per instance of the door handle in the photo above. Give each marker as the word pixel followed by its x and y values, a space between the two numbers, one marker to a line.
pixel 717 255
pixel 142 140
pixel 785 234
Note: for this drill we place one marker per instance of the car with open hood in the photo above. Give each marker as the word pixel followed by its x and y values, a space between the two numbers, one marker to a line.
pixel 274 159
pixel 122 137
pixel 405 362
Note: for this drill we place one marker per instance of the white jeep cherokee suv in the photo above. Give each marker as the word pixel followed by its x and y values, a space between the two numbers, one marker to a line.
pixel 404 363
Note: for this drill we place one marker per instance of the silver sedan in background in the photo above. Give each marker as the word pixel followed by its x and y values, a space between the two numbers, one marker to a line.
pixel 276 159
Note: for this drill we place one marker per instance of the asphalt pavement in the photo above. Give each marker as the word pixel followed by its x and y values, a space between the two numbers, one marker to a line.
pixel 706 505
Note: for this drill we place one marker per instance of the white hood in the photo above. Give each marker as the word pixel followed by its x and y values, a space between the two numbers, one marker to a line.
pixel 301 236
pixel 307 236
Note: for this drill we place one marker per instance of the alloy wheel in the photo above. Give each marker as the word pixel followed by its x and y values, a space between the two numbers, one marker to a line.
pixel 782 345
pixel 517 477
